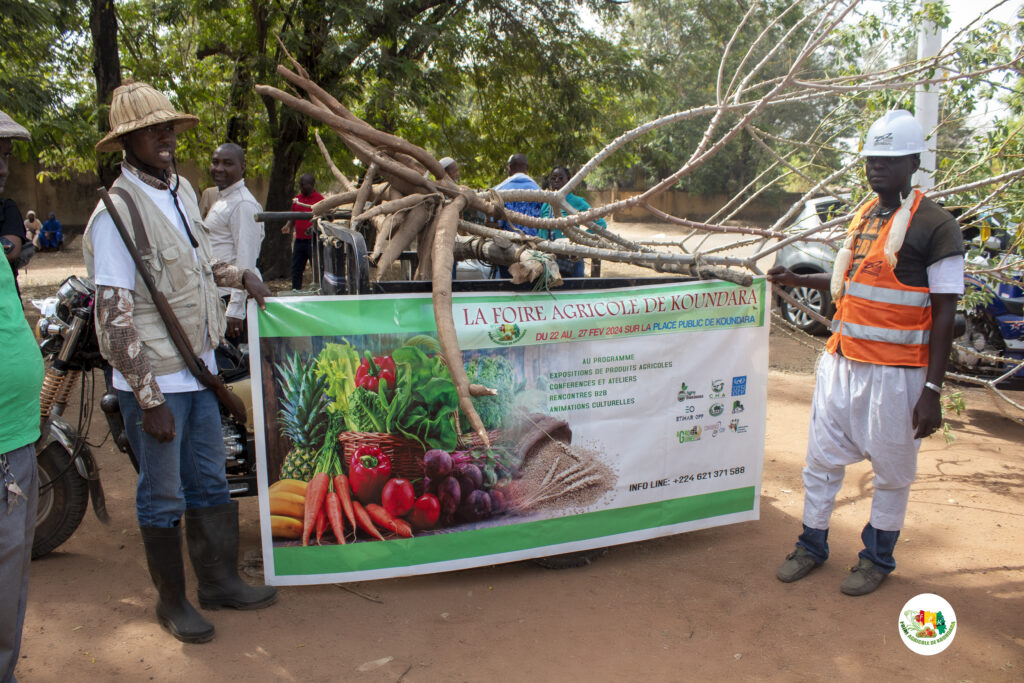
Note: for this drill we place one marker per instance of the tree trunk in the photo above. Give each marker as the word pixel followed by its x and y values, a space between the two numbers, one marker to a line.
pixel 289 147
pixel 106 67
pixel 241 89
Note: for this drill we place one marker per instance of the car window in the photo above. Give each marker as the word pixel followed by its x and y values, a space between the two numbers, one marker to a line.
pixel 828 210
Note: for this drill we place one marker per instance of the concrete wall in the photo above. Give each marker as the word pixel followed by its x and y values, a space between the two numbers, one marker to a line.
pixel 687 205
pixel 74 199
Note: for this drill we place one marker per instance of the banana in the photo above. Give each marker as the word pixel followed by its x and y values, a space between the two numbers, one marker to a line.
pixel 291 485
pixel 287 505
pixel 285 527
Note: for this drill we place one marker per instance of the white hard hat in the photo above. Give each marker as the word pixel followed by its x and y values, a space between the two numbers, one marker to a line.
pixel 896 134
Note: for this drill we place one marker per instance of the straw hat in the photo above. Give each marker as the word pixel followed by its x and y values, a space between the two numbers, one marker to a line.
pixel 10 129
pixel 140 105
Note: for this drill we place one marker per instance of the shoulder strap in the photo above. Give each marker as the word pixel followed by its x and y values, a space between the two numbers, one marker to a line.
pixel 141 238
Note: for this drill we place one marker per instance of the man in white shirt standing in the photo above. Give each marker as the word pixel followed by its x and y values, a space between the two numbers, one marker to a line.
pixel 171 420
pixel 235 236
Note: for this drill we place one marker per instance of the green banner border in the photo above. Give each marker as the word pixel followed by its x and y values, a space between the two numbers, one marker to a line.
pixel 412 552
pixel 411 313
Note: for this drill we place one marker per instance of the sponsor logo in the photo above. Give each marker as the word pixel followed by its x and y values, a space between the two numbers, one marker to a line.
pixel 688 435
pixel 715 428
pixel 735 426
pixel 873 268
pixel 716 409
pixel 686 394
pixel 927 624
pixel 717 388
pixel 506 334
pixel 884 140
pixel 739 385
pixel 737 407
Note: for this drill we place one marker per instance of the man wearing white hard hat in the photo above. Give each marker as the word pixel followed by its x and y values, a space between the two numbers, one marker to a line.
pixel 171 420
pixel 895 282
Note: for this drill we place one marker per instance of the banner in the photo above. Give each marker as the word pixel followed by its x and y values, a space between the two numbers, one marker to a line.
pixel 620 415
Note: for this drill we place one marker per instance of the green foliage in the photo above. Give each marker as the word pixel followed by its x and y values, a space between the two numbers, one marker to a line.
pixel 952 402
pixel 493 372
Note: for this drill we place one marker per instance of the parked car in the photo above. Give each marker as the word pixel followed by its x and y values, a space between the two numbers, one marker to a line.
pixel 806 257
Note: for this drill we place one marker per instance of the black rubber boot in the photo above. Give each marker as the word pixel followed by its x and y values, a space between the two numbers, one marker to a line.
pixel 173 610
pixel 212 535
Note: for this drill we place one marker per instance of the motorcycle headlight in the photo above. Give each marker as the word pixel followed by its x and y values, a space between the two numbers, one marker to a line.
pixel 75 292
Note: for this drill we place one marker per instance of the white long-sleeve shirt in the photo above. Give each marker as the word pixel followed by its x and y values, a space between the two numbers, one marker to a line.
pixel 235 236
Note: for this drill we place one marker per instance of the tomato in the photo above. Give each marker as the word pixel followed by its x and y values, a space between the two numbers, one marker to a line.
pixel 425 511
pixel 398 497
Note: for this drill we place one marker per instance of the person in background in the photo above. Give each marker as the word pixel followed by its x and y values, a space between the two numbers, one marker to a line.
pixel 876 394
pixel 12 227
pixel 19 430
pixel 516 168
pixel 235 236
pixel 53 234
pixel 33 228
pixel 302 246
pixel 451 167
pixel 171 420
pixel 571 266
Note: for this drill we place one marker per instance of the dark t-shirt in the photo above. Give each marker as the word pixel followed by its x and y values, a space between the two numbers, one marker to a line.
pixel 10 219
pixel 933 235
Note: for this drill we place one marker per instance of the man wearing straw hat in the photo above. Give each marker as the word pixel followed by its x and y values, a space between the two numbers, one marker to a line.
pixel 171 420
pixel 19 430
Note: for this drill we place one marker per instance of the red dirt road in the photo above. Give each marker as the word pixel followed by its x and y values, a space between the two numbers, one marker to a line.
pixel 700 606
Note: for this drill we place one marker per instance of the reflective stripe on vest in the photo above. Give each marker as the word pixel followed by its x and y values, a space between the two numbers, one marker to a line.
pixel 882 334
pixel 879 319
pixel 884 295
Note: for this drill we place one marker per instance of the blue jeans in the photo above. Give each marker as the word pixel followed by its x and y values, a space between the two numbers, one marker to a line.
pixel 185 472
pixel 878 545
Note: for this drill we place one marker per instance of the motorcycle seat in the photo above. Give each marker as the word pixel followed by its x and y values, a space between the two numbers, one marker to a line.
pixel 1014 305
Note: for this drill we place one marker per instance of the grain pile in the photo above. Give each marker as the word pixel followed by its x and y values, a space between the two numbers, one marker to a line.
pixel 559 476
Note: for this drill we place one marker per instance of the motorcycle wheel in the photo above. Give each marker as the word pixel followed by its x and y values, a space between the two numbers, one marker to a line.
pixel 61 506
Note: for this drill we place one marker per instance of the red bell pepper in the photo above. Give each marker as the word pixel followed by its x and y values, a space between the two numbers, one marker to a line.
pixel 368 471
pixel 372 370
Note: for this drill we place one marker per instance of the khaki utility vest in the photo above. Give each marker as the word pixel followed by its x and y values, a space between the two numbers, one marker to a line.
pixel 185 281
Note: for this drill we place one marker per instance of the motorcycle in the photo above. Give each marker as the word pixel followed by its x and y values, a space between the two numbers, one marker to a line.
pixel 68 475
pixel 991 343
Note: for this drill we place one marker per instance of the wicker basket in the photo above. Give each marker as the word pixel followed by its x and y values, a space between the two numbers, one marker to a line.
pixel 406 456
pixel 473 440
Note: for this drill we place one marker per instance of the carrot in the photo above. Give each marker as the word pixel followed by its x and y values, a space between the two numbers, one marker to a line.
pixel 345 496
pixel 404 529
pixel 382 517
pixel 315 494
pixel 321 525
pixel 365 523
pixel 333 506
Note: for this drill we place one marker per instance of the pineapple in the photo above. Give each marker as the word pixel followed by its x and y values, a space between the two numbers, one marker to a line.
pixel 303 416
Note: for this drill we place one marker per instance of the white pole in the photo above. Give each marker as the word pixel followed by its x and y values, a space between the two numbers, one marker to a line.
pixel 926 103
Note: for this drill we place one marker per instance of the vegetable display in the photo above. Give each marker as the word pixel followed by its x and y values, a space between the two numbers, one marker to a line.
pixel 346 411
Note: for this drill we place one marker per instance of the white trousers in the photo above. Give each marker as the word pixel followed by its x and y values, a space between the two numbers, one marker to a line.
pixel 862 411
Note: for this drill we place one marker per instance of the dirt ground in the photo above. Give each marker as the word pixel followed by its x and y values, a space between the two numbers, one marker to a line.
pixel 699 606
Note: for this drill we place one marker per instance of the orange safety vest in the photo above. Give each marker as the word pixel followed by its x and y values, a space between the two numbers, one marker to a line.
pixel 879 319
